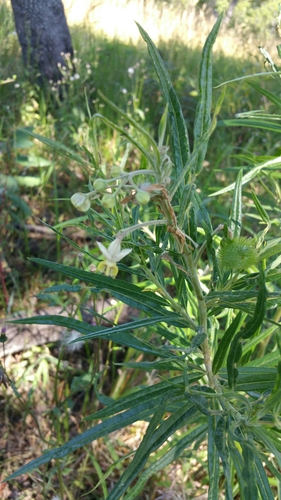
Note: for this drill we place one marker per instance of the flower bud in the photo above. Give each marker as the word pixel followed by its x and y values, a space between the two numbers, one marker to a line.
pixel 142 197
pixel 115 171
pixel 108 201
pixel 237 254
pixel 80 201
pixel 100 185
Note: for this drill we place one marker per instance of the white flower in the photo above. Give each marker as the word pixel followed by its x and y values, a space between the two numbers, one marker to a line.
pixel 112 255
pixel 81 201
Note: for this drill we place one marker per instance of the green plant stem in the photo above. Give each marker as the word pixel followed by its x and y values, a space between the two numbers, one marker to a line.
pixel 193 276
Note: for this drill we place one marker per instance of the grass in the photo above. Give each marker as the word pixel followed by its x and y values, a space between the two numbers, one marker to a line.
pixel 36 183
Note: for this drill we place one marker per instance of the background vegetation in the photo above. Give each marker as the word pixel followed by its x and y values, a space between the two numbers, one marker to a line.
pixel 36 182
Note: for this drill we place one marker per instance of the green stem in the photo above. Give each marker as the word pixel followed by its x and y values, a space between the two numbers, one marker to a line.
pixel 203 327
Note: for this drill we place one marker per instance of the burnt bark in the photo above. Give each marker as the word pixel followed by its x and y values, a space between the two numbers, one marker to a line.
pixel 44 37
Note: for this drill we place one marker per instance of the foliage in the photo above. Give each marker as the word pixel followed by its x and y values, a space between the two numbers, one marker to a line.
pixel 206 324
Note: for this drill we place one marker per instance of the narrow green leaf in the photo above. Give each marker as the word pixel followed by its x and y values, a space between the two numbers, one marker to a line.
pixel 134 124
pixel 203 111
pixel 60 148
pixel 276 162
pixel 248 471
pixel 155 392
pixel 178 130
pixel 253 378
pixel 103 429
pixel 269 95
pixel 261 211
pixel 168 457
pixel 203 212
pixel 225 343
pixel 129 138
pixel 152 440
pixel 163 127
pixel 264 124
pixel 262 481
pixel 253 342
pixel 262 436
pixel 236 207
pixel 268 360
pixel 223 451
pixel 63 288
pixel 141 456
pixel 89 331
pixel 271 248
pixel 248 331
pixel 213 460
pixel 121 290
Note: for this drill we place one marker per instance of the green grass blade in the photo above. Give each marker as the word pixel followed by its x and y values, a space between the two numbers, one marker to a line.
pixel 134 124
pixel 178 130
pixel 203 111
pixel 236 207
pixel 129 138
pixel 60 148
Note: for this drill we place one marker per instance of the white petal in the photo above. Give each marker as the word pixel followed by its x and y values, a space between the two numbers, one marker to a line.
pixel 123 253
pixel 114 249
pixel 104 251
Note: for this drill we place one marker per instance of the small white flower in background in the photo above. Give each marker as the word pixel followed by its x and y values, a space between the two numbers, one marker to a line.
pixel 17 85
pixel 131 71
pixel 124 91
pixel 81 201
pixel 112 255
pixel 56 497
pixel 68 337
pixel 76 76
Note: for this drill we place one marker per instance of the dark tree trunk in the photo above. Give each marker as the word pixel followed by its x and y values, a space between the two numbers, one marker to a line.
pixel 44 36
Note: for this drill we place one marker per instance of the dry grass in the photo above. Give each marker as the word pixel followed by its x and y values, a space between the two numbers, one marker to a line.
pixel 163 21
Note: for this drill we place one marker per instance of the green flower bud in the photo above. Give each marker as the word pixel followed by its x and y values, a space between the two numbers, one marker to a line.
pixel 142 197
pixel 80 201
pixel 100 185
pixel 115 171
pixel 237 254
pixel 108 201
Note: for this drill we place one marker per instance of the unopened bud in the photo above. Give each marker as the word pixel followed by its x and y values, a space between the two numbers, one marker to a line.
pixel 108 201
pixel 142 197
pixel 80 201
pixel 100 185
pixel 116 171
